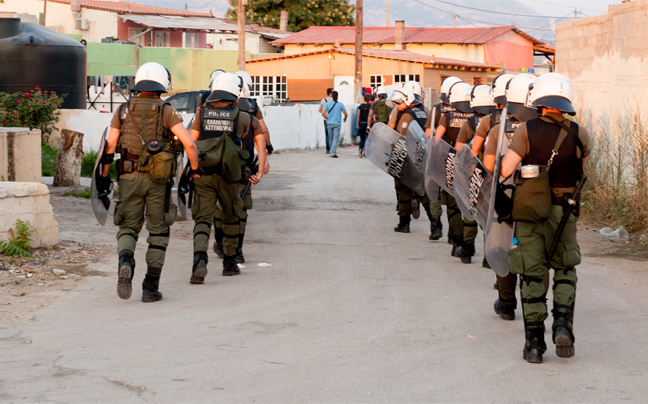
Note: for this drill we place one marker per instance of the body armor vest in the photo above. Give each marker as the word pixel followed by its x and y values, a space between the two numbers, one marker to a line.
pixel 567 167
pixel 142 120
pixel 216 122
pixel 495 117
pixel 511 125
pixel 248 139
pixel 418 114
pixel 454 121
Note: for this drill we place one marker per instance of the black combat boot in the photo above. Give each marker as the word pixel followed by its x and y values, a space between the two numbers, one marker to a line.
pixel 150 285
pixel 436 229
pixel 403 224
pixel 456 245
pixel 218 242
pixel 505 308
pixel 199 269
pixel 450 237
pixel 416 208
pixel 535 345
pixel 465 251
pixel 240 259
pixel 563 334
pixel 485 263
pixel 230 267
pixel 125 272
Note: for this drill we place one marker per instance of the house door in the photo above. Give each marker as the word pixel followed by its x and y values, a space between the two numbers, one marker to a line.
pixel 344 86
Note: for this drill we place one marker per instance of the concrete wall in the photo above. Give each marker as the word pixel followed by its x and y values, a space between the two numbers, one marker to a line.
pixel 291 127
pixel 20 152
pixel 605 59
pixel 28 202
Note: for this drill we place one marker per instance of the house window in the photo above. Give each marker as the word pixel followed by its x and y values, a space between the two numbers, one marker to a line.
pixel 476 81
pixel 189 39
pixel 404 78
pixel 162 39
pixel 133 36
pixel 275 86
pixel 376 80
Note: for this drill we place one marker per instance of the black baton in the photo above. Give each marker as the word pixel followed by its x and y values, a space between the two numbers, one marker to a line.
pixel 572 201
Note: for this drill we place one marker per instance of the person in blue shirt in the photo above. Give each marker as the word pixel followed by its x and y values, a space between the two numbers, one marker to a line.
pixel 332 112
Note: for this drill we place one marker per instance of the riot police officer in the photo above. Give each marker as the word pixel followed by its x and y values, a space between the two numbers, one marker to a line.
pixel 404 101
pixel 143 130
pixel 218 131
pixel 379 109
pixel 450 122
pixel 518 113
pixel 252 139
pixel 553 152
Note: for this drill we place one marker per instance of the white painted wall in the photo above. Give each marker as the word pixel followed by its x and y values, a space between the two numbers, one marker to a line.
pixel 291 127
pixel 60 18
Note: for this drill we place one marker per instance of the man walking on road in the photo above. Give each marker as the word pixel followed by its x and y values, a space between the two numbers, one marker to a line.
pixel 323 103
pixel 332 112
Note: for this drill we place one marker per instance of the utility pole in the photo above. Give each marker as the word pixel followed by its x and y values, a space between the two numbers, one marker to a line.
pixel 44 12
pixel 357 83
pixel 454 20
pixel 575 12
pixel 387 19
pixel 240 14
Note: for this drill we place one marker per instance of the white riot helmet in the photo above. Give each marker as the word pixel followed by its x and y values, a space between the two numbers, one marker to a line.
pixel 247 79
pixel 552 90
pixel 459 97
pixel 481 100
pixel 415 87
pixel 402 95
pixel 445 88
pixel 152 77
pixel 381 91
pixel 213 76
pixel 226 87
pixel 244 103
pixel 517 92
pixel 498 87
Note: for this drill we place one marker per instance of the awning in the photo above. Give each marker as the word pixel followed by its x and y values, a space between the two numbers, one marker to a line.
pixel 175 22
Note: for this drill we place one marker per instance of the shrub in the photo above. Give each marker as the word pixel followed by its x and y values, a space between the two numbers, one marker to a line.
pixel 87 166
pixel 36 109
pixel 19 241
pixel 48 160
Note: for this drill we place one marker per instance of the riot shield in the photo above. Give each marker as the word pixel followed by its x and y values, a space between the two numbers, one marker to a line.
pixel 387 149
pixel 181 192
pixel 473 185
pixel 100 201
pixel 498 235
pixel 417 142
pixel 440 169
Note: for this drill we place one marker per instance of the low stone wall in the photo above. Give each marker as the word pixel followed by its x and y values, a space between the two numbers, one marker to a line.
pixel 28 202
pixel 20 152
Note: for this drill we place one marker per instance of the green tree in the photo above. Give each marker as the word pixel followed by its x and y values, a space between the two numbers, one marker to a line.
pixel 301 13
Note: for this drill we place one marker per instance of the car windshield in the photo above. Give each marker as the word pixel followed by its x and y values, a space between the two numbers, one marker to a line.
pixel 182 102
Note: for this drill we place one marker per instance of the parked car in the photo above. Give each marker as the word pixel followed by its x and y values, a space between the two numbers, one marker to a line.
pixel 188 101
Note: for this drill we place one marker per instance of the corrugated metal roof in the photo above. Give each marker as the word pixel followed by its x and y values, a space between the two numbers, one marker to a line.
pixel 123 7
pixel 328 35
pixel 178 22
pixel 404 55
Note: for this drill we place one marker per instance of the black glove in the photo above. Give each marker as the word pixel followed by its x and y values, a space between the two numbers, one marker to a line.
pixel 104 185
pixel 191 172
pixel 269 149
pixel 503 203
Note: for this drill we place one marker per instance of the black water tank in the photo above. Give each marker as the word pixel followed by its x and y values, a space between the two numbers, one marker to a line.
pixel 32 55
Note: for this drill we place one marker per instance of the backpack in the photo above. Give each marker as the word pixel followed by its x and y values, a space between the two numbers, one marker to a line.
pixel 382 111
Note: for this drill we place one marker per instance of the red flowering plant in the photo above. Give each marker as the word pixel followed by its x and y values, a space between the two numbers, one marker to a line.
pixel 36 109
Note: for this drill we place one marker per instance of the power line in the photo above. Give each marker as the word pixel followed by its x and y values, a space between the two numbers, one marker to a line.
pixel 493 12
pixel 563 5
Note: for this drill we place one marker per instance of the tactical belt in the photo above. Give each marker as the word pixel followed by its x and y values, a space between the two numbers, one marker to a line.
pixel 126 166
pixel 209 171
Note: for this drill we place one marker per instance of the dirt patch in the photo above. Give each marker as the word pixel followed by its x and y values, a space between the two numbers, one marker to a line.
pixel 27 284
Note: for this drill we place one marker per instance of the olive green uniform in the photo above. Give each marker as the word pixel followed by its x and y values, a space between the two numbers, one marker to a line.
pixel 246 199
pixel 530 259
pixel 211 189
pixel 140 198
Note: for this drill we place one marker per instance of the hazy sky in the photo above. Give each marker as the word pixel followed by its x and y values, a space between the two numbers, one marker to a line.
pixel 588 7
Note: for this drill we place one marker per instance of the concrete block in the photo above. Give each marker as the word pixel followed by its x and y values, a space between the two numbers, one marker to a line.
pixel 20 154
pixel 28 202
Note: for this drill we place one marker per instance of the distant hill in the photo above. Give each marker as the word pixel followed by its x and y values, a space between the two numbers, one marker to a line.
pixel 421 13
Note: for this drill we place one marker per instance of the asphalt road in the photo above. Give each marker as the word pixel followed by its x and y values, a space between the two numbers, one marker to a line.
pixel 349 311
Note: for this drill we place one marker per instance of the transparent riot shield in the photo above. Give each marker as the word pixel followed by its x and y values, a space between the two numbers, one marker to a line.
pixel 100 201
pixel 472 185
pixel 387 149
